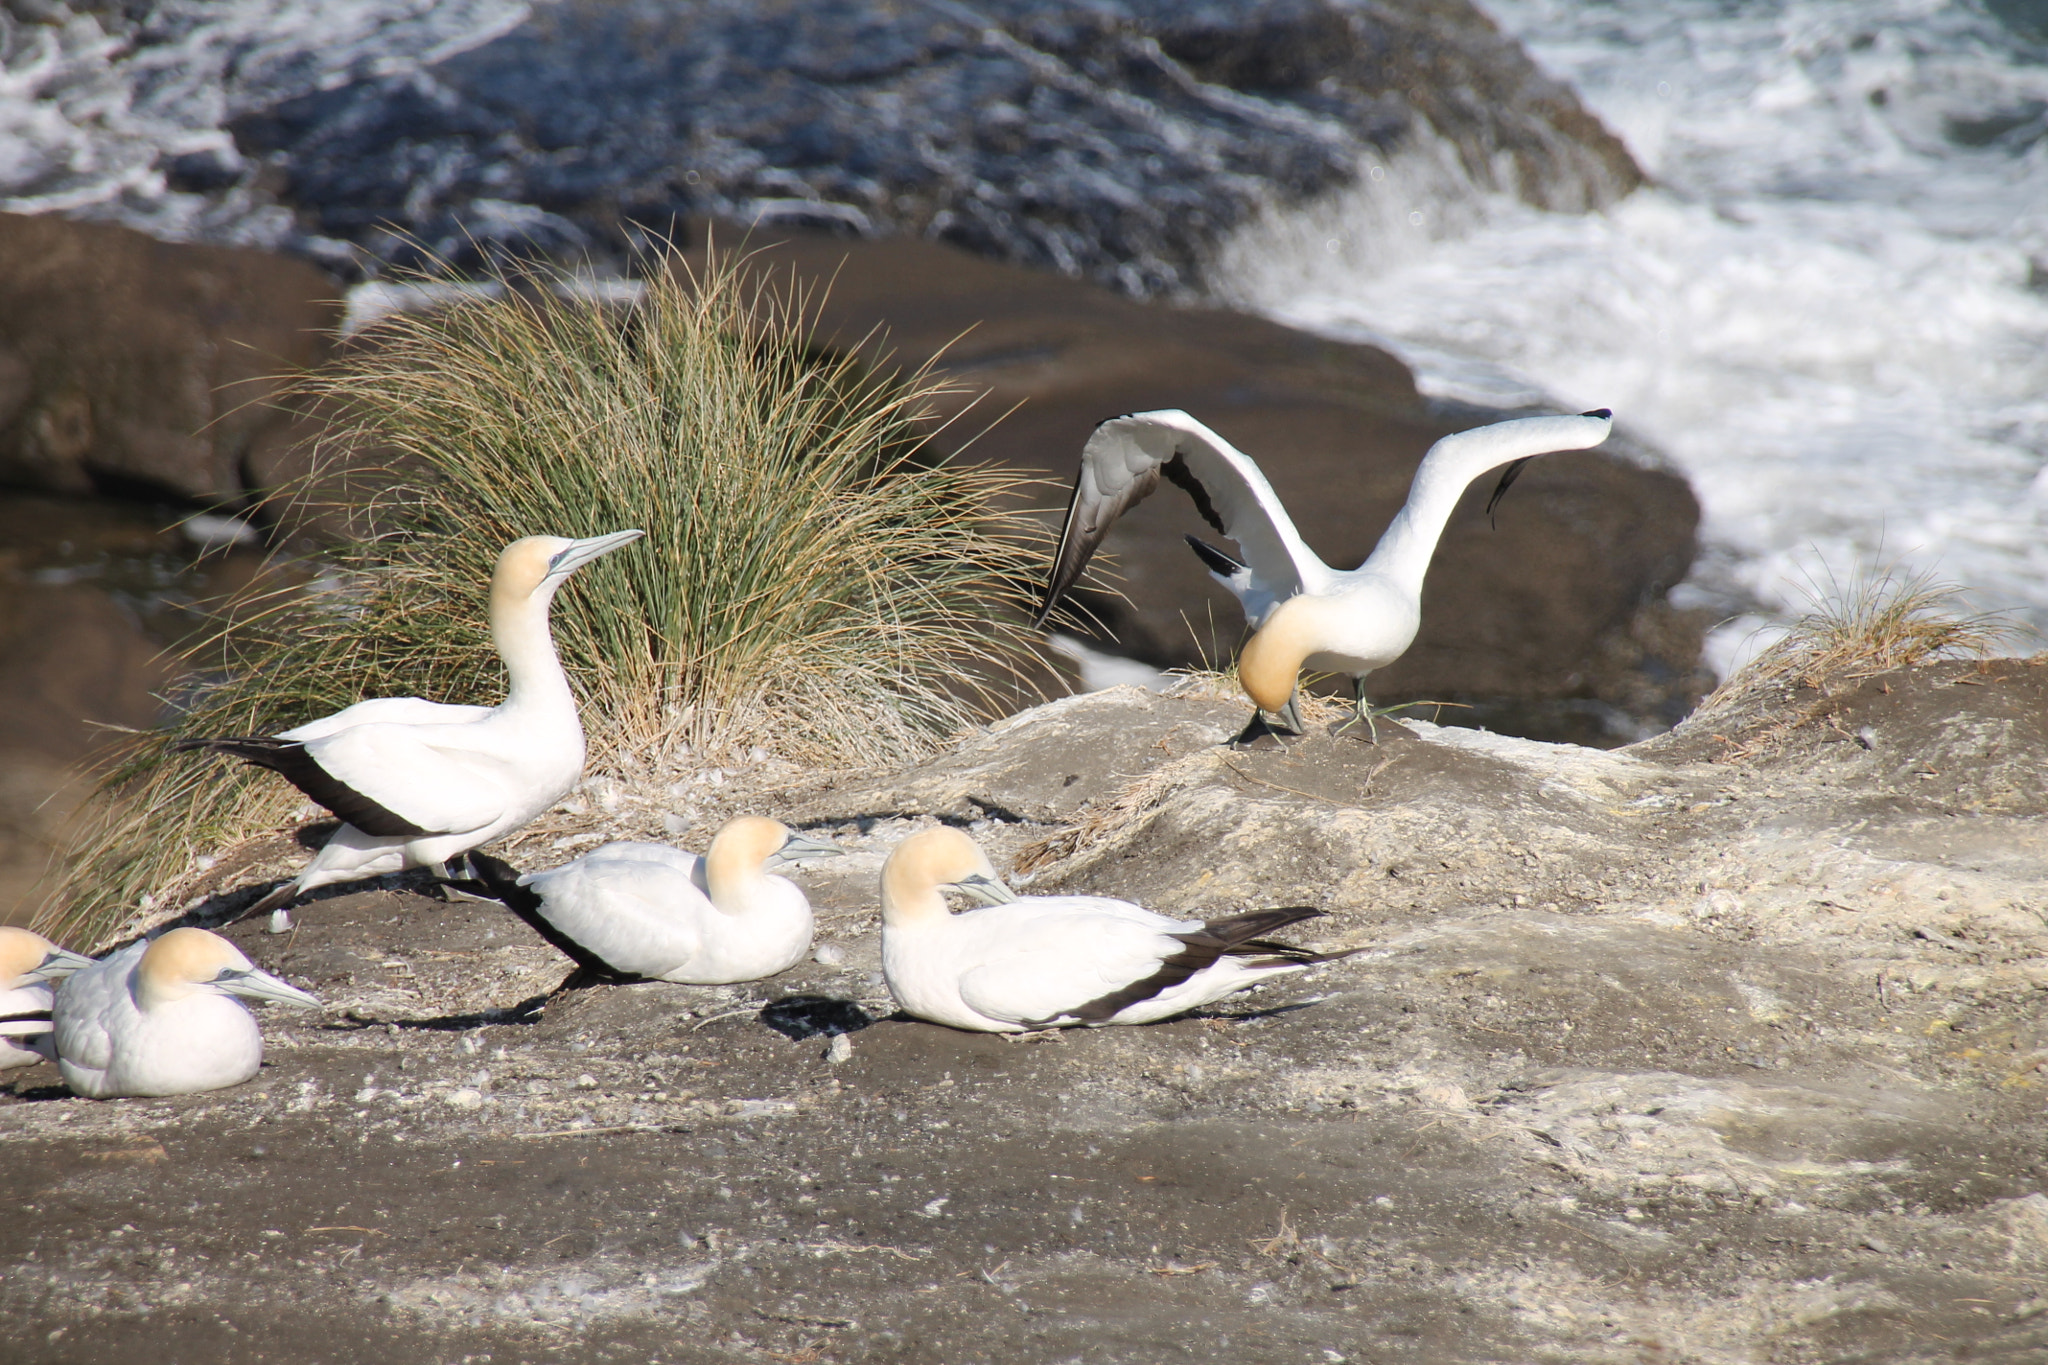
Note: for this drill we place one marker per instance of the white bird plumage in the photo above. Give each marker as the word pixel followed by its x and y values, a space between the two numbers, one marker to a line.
pixel 649 910
pixel 1302 612
pixel 417 782
pixel 1056 961
pixel 159 1018
pixel 29 963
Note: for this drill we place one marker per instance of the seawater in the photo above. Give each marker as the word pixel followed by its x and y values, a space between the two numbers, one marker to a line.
pixel 1830 307
pixel 125 119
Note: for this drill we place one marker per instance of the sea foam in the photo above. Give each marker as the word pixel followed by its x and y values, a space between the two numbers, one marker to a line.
pixel 1830 308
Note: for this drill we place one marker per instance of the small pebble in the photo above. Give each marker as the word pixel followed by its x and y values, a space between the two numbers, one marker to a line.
pixel 586 1082
pixel 839 1049
pixel 466 1098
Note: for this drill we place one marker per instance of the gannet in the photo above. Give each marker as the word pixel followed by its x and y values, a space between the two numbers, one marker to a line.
pixel 28 964
pixel 1055 961
pixel 418 782
pixel 155 1018
pixel 1302 612
pixel 630 910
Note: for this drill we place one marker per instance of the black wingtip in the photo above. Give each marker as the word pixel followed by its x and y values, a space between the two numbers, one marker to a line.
pixel 1602 413
pixel 1217 561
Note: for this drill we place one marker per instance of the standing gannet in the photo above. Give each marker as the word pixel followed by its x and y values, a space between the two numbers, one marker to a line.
pixel 1053 961
pixel 1302 612
pixel 28 964
pixel 631 910
pixel 417 782
pixel 155 1018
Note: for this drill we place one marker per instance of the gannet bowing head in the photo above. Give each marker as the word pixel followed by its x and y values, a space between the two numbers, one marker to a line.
pixel 27 958
pixel 188 962
pixel 929 862
pixel 1271 660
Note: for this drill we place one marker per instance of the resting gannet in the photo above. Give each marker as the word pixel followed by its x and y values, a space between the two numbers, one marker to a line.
pixel 418 782
pixel 28 964
pixel 647 910
pixel 155 1018
pixel 1054 961
pixel 1302 612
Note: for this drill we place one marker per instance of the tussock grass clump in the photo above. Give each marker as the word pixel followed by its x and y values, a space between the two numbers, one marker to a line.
pixel 1880 619
pixel 814 581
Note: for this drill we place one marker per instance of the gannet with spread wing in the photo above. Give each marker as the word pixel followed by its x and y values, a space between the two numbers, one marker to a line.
pixel 1302 612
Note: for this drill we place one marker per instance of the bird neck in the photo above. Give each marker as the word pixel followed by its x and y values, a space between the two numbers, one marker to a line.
pixel 152 990
pixel 908 899
pixel 519 628
pixel 734 884
pixel 1403 554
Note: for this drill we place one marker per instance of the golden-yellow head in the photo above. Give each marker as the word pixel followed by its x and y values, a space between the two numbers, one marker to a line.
pixel 532 563
pixel 187 962
pixel 745 843
pixel 21 953
pixel 929 861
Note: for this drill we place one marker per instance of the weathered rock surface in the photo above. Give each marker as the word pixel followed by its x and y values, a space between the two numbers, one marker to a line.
pixel 1117 140
pixel 143 368
pixel 1726 1047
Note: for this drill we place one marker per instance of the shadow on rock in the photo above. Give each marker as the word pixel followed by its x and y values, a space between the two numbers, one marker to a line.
pixel 813 1016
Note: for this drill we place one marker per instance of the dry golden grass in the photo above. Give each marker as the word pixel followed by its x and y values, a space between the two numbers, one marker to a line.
pixel 814 582
pixel 1880 619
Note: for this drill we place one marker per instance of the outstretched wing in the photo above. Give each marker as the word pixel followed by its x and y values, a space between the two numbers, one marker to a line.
pixel 1123 462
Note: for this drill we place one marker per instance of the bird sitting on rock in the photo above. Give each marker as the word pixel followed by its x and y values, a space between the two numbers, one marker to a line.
pixel 417 782
pixel 28 964
pixel 1303 613
pixel 634 910
pixel 1038 962
pixel 158 1018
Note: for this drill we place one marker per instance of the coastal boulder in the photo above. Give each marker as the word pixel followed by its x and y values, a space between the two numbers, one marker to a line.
pixel 135 367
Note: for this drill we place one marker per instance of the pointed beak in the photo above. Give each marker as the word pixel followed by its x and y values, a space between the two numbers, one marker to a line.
pixel 798 847
pixel 581 552
pixel 261 985
pixel 58 964
pixel 988 890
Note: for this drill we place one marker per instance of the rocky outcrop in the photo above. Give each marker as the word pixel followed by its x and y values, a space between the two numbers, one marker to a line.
pixel 1119 141
pixel 142 368
pixel 1721 1048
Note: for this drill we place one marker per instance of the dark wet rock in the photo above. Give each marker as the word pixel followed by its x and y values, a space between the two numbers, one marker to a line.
pixel 1724 1047
pixel 1118 141
pixel 140 368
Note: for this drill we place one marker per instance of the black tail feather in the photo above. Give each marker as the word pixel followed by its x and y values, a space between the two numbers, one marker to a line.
pixel 1232 936
pixel 499 880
